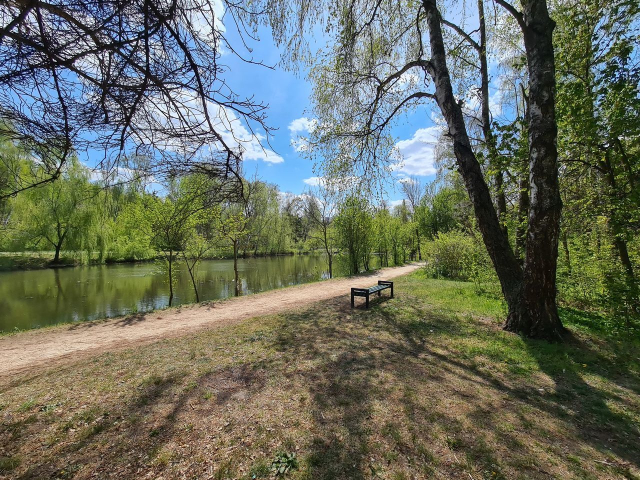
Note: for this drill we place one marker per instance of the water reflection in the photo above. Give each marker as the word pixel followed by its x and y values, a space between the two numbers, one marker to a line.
pixel 45 297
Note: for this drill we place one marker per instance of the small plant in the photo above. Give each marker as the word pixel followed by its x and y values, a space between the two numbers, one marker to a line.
pixel 260 470
pixel 8 464
pixel 26 406
pixel 50 407
pixel 284 463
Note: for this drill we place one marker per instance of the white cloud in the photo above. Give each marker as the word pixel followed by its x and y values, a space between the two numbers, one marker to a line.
pixel 402 178
pixel 418 153
pixel 338 184
pixel 300 144
pixel 313 181
pixel 394 203
pixel 302 124
pixel 495 102
pixel 204 18
pixel 232 130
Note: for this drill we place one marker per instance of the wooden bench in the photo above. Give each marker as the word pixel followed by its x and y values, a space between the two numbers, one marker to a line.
pixel 365 292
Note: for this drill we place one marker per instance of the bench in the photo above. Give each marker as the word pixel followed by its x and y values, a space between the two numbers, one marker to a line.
pixel 365 292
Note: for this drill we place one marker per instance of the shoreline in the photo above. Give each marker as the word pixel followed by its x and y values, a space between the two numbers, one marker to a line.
pixel 35 261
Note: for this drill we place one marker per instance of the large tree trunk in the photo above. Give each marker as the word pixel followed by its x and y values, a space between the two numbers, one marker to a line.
pixel 536 314
pixel 530 295
pixel 523 214
pixel 58 244
pixel 56 257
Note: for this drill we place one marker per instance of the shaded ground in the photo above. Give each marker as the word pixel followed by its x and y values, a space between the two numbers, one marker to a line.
pixel 26 350
pixel 426 385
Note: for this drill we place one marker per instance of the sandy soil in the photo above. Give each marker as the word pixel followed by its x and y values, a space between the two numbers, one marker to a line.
pixel 27 350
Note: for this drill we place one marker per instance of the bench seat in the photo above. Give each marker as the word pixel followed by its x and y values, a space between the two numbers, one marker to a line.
pixel 366 292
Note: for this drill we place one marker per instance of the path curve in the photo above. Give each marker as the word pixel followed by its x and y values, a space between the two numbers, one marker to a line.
pixel 27 350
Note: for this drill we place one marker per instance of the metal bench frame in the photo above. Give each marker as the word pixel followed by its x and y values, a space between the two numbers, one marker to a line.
pixel 366 292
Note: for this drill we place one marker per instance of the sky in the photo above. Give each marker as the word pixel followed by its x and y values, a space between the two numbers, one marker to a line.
pixel 288 96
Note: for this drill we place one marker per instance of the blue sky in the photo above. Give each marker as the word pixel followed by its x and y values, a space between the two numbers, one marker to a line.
pixel 288 96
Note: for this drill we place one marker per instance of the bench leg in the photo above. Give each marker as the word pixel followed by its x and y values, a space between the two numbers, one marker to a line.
pixel 352 303
pixel 392 290
pixel 367 300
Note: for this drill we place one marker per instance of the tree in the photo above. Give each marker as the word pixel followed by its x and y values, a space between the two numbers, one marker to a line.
pixel 414 191
pixel 58 214
pixel 599 111
pixel 378 68
pixel 320 205
pixel 354 229
pixel 233 224
pixel 174 219
pixel 127 76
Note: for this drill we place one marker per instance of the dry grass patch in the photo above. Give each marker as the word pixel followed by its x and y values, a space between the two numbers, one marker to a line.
pixel 421 386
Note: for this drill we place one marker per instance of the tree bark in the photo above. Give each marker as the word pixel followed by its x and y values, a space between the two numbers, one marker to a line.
pixel 523 213
pixel 536 314
pixel 58 245
pixel 170 277
pixel 193 279
pixel 328 250
pixel 56 257
pixel 502 257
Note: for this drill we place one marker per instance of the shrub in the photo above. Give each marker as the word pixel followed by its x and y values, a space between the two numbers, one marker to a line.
pixel 458 256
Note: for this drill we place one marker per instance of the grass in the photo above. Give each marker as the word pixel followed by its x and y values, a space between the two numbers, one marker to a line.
pixel 425 385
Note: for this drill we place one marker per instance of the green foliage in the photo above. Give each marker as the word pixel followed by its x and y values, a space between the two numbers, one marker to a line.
pixel 58 214
pixel 458 256
pixel 354 224
pixel 283 463
pixel 598 106
pixel 7 464
pixel 441 212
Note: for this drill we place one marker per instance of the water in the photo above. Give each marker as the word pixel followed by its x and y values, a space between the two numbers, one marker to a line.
pixel 36 298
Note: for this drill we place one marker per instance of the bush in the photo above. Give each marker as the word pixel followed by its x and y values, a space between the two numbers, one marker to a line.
pixel 457 256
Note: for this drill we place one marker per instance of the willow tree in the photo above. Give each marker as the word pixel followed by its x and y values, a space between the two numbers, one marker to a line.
pixel 388 57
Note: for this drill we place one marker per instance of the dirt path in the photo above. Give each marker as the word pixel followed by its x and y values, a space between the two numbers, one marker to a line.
pixel 24 351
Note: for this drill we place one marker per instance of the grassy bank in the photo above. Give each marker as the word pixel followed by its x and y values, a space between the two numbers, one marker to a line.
pixel 422 386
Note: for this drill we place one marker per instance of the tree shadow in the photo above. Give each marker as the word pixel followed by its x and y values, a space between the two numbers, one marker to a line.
pixel 126 321
pixel 340 390
pixel 150 422
pixel 386 393
pixel 575 403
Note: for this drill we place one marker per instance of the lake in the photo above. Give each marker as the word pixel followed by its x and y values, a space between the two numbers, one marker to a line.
pixel 37 298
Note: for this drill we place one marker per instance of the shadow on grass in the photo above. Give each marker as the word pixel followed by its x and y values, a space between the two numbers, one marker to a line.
pixel 386 392
pixel 145 431
pixel 482 424
pixel 576 404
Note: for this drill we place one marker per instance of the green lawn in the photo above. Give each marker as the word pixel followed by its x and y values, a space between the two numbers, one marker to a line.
pixel 425 385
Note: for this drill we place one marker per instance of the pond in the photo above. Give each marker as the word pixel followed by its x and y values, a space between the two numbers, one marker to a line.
pixel 37 298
